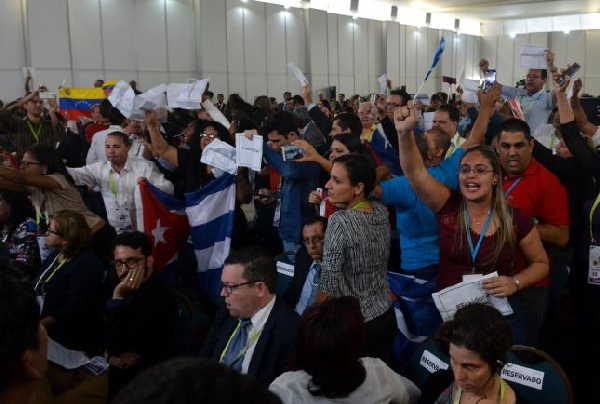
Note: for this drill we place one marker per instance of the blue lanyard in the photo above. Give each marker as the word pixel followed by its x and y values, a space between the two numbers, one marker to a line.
pixel 486 226
pixel 512 187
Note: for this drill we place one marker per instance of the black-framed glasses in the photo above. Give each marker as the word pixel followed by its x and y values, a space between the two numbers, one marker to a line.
pixel 230 288
pixel 130 263
pixel 477 170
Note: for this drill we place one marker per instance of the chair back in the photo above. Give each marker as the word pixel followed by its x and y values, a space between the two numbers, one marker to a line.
pixel 536 377
pixel 428 358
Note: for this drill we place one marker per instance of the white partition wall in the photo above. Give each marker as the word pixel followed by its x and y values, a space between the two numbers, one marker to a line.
pixel 242 47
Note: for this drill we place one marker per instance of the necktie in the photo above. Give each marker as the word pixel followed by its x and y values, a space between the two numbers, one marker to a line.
pixel 237 346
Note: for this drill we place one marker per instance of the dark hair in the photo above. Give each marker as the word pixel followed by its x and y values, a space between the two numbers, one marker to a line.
pixel 298 100
pixel 209 94
pixel 309 221
pixel 283 122
pixel 20 207
pixel 73 228
pixel 352 142
pixel 515 125
pixel 452 111
pixel 349 121
pixel 441 139
pixel 191 381
pixel 326 104
pixel 19 321
pixel 48 156
pixel 482 329
pixel 124 138
pixel 135 240
pixel 111 113
pixel 331 340
pixel 360 170
pixel 259 265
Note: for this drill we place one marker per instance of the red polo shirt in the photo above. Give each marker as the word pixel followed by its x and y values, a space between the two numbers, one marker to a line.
pixel 541 196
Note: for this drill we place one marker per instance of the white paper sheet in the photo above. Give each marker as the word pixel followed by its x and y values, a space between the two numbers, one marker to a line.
pixel 215 113
pixel 470 97
pixel 220 155
pixel 428 120
pixel 190 95
pixel 248 153
pixel 67 358
pixel 423 99
pixel 382 80
pixel 295 70
pixel 122 97
pixel 533 57
pixel 452 298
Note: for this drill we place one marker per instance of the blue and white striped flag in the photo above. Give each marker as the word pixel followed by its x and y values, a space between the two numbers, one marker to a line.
pixel 436 57
pixel 210 213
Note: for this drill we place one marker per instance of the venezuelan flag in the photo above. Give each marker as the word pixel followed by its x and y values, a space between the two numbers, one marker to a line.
pixel 108 86
pixel 75 102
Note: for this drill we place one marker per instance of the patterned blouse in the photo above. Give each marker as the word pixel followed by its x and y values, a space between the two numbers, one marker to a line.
pixel 22 244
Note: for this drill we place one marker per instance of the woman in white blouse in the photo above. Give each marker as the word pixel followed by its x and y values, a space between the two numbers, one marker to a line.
pixel 329 367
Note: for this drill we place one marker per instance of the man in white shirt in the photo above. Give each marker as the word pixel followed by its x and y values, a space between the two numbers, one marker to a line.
pixel 117 179
pixel 256 331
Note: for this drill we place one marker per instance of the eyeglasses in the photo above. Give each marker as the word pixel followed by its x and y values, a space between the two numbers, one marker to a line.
pixel 208 135
pixel 130 263
pixel 477 170
pixel 230 288
pixel 26 164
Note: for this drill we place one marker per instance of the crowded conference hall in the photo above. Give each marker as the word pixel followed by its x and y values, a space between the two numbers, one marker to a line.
pixel 299 201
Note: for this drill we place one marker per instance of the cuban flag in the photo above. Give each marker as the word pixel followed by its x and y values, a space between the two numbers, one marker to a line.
pixel 210 211
pixel 163 219
pixel 382 146
pixel 437 56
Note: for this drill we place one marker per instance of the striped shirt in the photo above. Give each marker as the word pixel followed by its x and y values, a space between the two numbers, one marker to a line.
pixel 357 247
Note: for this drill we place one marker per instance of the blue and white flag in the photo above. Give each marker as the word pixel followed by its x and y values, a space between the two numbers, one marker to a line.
pixel 210 212
pixel 436 57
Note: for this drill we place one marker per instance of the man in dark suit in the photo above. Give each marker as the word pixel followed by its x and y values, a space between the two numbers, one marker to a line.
pixel 307 271
pixel 257 332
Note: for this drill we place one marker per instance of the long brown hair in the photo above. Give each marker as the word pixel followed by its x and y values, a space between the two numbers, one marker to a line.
pixel 73 228
pixel 505 232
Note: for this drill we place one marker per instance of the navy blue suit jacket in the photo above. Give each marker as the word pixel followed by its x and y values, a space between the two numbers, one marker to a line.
pixel 274 347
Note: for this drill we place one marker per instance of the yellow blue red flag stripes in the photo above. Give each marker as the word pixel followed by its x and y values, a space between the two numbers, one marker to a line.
pixel 77 101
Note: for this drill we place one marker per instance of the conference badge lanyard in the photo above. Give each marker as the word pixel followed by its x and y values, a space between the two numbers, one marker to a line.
pixel 594 265
pixel 35 133
pixel 251 340
pixel 121 217
pixel 475 251
pixel 512 187
pixel 40 287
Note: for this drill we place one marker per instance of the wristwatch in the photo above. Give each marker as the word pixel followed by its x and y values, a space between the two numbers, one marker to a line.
pixel 517 283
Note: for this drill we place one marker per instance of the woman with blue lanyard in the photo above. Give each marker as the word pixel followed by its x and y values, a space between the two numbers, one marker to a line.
pixel 479 232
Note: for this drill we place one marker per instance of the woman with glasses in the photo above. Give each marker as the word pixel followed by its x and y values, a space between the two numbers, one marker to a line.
pixel 479 232
pixel 70 286
pixel 44 176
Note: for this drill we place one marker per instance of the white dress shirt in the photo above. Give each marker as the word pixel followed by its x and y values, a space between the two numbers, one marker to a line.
pixel 258 320
pixel 118 188
pixel 97 151
pixel 596 138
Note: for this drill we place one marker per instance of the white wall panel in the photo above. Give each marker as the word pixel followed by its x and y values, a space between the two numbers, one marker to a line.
pixel 180 36
pixel 361 57
pixel 149 39
pixel 48 31
pixel 118 19
pixel 333 50
pixel 212 36
pixel 86 43
pixel 11 35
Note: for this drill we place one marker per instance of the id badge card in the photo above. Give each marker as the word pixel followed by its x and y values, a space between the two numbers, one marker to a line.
pixel 120 217
pixel 594 265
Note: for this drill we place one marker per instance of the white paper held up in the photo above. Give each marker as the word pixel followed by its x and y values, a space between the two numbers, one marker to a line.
pixel 186 96
pixel 248 152
pixel 295 70
pixel 220 155
pixel 122 97
pixel 428 120
pixel 533 57
pixel 67 358
pixel 382 80
pixel 215 113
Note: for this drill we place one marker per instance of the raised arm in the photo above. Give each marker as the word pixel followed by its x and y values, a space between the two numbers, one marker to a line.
pixel 19 177
pixel 159 144
pixel 487 102
pixel 432 192
pixel 586 127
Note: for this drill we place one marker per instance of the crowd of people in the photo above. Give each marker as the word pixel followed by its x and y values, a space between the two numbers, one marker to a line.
pixel 437 192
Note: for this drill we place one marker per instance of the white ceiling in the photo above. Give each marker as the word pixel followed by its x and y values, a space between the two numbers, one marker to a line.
pixel 505 9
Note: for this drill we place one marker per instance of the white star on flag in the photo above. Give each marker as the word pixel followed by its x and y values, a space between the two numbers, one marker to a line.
pixel 159 233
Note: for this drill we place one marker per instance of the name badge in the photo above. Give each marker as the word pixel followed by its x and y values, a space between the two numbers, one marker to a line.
pixel 277 215
pixel 594 266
